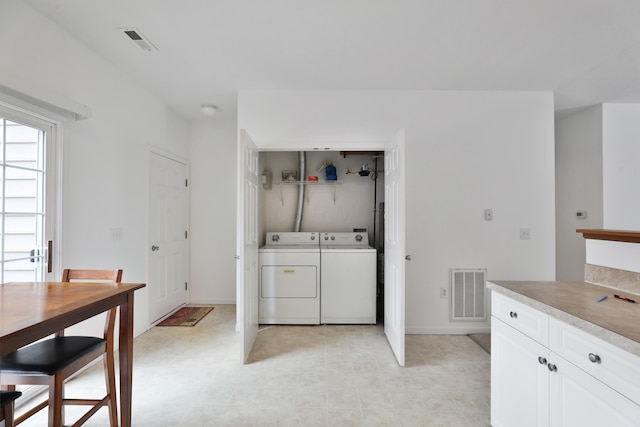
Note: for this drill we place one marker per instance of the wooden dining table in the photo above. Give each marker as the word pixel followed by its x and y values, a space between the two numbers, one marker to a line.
pixel 30 311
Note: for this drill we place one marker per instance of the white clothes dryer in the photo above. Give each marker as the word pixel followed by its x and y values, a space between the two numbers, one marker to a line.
pixel 348 279
pixel 289 279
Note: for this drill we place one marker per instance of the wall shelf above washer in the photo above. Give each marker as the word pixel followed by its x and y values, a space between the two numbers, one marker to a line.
pixel 373 154
pixel 309 183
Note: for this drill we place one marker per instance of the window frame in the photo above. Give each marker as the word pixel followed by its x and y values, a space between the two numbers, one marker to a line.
pixel 53 171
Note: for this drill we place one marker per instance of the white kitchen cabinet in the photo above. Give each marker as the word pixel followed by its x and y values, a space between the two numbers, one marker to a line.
pixel 611 365
pixel 533 385
pixel 578 399
pixel 519 382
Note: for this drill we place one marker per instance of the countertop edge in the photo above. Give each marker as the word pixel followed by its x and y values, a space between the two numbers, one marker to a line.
pixel 599 332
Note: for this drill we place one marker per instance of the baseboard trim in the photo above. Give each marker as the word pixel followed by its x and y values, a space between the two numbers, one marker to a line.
pixel 207 301
pixel 419 330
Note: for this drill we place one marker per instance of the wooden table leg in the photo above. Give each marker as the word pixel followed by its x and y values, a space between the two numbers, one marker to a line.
pixel 126 360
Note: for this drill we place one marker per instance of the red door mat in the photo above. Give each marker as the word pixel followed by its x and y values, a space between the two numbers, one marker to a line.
pixel 186 316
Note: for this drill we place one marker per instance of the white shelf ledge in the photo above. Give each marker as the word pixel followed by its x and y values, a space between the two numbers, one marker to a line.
pixel 310 183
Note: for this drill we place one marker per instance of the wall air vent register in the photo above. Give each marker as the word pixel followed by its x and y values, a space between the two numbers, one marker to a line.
pixel 468 294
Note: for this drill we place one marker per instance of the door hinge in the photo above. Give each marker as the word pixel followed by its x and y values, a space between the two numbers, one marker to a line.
pixel 185 286
pixel 186 235
pixel 186 182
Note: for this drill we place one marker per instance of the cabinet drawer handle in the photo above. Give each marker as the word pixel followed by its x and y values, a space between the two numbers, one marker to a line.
pixel 513 314
pixel 542 360
pixel 594 358
pixel 552 367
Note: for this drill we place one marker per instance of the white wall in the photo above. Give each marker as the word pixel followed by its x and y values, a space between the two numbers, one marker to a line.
pixel 619 255
pixel 621 181
pixel 105 171
pixel 578 187
pixel 466 151
pixel 213 212
pixel 621 152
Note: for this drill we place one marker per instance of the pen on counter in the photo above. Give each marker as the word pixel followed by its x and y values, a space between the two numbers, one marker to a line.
pixel 602 299
pixel 624 298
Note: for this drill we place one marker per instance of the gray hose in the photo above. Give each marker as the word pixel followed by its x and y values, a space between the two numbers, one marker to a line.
pixel 302 158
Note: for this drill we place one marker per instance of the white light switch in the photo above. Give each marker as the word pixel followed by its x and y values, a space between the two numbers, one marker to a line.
pixel 116 234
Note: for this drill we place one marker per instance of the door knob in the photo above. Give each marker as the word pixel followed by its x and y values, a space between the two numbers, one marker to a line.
pixel 236 257
pixel 155 248
pixel 408 257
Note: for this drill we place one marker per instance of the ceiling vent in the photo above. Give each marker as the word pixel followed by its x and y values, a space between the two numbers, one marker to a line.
pixel 139 39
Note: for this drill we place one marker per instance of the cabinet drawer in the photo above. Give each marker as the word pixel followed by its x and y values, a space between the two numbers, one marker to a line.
pixel 615 367
pixel 527 320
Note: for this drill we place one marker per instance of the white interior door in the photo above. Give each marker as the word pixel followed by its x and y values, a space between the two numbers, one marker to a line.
pixel 394 225
pixel 168 225
pixel 247 244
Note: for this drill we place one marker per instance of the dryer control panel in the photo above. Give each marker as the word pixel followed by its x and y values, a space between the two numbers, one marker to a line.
pixel 344 238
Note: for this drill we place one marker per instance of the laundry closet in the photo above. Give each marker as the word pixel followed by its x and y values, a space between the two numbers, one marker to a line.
pixel 305 218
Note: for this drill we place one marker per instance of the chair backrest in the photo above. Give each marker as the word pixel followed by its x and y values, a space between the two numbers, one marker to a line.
pixel 93 275
pixel 115 276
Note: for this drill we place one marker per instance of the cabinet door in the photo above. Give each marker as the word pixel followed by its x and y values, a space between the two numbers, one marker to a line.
pixel 519 379
pixel 578 399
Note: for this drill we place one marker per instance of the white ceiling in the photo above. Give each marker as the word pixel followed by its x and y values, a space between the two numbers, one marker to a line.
pixel 586 51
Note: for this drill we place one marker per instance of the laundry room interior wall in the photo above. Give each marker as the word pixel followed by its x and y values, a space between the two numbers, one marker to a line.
pixel 353 206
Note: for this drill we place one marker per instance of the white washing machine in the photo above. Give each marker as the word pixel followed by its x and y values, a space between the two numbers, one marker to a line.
pixel 348 279
pixel 290 279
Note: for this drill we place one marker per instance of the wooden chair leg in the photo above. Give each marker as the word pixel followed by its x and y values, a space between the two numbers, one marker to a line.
pixel 7 412
pixel 6 415
pixel 110 380
pixel 56 394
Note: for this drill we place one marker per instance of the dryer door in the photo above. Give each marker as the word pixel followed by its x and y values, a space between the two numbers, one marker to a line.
pixel 289 281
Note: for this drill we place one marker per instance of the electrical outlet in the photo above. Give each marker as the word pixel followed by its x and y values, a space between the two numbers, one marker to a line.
pixel 443 292
pixel 525 233
pixel 488 214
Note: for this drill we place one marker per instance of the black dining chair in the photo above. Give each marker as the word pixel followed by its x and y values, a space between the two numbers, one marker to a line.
pixel 51 361
pixel 6 407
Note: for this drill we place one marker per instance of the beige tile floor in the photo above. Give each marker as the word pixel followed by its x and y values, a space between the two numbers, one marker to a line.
pixel 297 376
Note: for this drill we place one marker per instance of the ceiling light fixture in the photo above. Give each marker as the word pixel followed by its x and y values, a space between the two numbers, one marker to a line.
pixel 208 110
